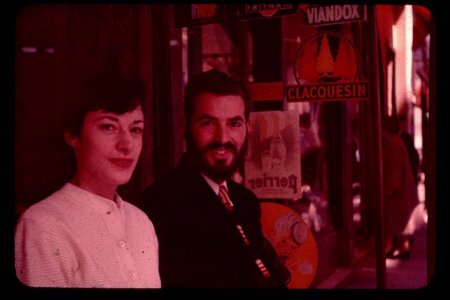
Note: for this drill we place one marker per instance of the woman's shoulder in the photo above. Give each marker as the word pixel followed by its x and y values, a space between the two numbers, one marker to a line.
pixel 59 201
pixel 133 210
pixel 46 210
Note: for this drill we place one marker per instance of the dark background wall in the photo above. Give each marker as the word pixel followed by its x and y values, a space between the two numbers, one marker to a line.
pixel 70 42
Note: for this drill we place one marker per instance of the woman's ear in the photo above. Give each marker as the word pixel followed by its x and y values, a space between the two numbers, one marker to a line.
pixel 71 139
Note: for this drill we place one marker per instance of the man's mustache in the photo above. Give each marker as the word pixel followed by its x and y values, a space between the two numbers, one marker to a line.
pixel 216 145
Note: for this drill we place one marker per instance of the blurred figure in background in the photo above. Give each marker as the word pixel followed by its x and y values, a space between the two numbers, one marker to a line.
pixel 399 190
pixel 408 141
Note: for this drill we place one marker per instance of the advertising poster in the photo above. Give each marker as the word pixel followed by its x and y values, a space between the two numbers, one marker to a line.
pixel 272 164
pixel 293 241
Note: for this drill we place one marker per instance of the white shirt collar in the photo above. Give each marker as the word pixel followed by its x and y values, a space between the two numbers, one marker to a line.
pixel 213 184
pixel 96 199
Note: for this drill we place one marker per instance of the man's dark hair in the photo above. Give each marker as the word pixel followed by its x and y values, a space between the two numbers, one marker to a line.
pixel 215 82
pixel 110 93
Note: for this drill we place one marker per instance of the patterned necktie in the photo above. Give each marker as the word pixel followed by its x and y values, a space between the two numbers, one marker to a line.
pixel 223 194
pixel 226 201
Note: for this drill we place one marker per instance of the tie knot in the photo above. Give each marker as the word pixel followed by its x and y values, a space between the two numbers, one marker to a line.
pixel 226 201
pixel 223 188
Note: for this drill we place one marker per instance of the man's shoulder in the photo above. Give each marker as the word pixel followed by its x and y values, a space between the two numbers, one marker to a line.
pixel 163 183
pixel 160 195
pixel 241 190
pixel 239 186
pixel 174 182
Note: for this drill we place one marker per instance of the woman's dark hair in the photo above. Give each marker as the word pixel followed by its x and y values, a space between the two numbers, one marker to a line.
pixel 110 93
pixel 216 82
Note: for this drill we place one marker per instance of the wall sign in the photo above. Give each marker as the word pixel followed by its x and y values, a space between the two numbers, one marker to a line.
pixel 334 14
pixel 334 91
pixel 197 14
pixel 257 10
pixel 326 67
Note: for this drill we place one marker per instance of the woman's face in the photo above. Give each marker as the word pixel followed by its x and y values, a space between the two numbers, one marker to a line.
pixel 107 149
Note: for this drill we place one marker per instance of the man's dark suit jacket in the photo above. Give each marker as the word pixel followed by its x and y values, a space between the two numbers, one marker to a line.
pixel 199 246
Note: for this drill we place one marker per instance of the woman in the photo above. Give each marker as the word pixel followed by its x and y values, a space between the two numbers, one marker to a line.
pixel 84 234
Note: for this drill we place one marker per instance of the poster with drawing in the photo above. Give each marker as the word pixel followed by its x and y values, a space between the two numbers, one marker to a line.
pixel 272 164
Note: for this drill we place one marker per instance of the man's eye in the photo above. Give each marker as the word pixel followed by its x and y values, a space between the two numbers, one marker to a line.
pixel 236 123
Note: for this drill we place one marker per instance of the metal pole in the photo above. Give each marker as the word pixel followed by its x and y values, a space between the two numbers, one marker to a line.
pixel 374 139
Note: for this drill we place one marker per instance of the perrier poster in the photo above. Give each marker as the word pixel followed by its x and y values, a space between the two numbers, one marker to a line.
pixel 272 164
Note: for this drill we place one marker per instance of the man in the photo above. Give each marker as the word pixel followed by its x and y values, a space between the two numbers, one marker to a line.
pixel 206 242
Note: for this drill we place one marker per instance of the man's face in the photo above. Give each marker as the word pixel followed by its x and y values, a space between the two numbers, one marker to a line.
pixel 218 131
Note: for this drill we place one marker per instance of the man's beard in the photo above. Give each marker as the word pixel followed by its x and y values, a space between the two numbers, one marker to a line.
pixel 220 170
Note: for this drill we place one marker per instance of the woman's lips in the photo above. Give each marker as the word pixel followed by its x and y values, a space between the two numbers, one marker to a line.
pixel 122 162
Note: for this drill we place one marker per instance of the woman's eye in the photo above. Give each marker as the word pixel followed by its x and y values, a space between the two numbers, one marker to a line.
pixel 206 123
pixel 137 130
pixel 108 127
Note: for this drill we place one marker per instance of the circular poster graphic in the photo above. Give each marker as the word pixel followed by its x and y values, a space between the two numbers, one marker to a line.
pixel 293 242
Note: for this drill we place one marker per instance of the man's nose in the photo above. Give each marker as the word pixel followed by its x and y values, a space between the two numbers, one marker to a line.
pixel 223 134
